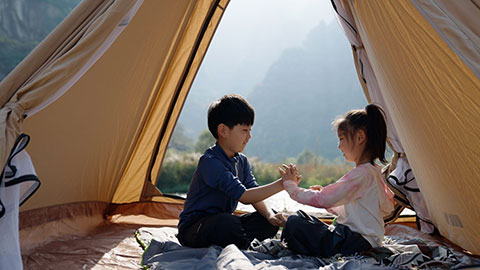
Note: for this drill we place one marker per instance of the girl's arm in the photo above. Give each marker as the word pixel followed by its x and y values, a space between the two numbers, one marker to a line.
pixel 349 188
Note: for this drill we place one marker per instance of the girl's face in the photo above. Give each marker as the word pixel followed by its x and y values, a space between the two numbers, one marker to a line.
pixel 352 146
pixel 345 145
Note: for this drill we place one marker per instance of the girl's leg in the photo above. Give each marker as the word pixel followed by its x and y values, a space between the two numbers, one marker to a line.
pixel 308 236
pixel 349 242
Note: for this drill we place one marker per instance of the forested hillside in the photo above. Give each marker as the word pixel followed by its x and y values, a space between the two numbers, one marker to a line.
pixel 300 96
pixel 23 24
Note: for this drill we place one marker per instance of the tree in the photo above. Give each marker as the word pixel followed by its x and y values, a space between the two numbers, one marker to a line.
pixel 179 140
pixel 305 157
pixel 204 141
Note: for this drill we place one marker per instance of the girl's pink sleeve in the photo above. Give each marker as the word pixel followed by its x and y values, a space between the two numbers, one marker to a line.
pixel 350 187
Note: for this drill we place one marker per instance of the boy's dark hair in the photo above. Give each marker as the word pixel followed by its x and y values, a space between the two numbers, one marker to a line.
pixel 229 110
pixel 371 120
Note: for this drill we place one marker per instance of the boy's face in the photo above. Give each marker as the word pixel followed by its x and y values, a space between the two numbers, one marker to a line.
pixel 235 139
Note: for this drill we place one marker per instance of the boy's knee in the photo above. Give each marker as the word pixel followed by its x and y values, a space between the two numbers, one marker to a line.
pixel 229 230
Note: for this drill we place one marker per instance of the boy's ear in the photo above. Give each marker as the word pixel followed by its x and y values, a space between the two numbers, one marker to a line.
pixel 221 130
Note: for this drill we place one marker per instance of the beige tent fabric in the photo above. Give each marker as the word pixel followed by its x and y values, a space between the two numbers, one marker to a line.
pixel 432 97
pixel 59 59
pixel 101 133
pixel 364 69
pixel 172 90
pixel 183 92
pixel 459 26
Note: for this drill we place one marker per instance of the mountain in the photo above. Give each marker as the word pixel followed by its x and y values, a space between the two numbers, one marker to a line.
pixel 302 93
pixel 246 43
pixel 23 24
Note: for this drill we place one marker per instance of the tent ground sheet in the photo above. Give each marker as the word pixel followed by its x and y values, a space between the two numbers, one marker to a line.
pixel 134 247
pixel 404 248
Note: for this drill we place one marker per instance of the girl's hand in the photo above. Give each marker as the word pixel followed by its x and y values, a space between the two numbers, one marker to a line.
pixel 316 187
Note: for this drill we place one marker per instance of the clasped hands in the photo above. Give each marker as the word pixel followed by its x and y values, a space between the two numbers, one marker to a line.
pixel 290 172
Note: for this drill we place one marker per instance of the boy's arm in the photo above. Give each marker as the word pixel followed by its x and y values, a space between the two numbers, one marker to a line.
pixel 258 194
pixel 274 219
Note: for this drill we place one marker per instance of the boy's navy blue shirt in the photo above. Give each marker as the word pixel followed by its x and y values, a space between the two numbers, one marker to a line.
pixel 217 184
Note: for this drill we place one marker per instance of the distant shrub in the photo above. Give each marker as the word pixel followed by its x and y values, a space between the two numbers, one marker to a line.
pixel 317 171
pixel 178 168
pixel 177 171
pixel 204 141
pixel 264 172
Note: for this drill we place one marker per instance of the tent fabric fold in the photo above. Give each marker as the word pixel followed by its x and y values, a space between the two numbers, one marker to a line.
pixel 18 182
pixel 458 25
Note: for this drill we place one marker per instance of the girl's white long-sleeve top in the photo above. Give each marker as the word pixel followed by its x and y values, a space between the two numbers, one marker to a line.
pixel 360 199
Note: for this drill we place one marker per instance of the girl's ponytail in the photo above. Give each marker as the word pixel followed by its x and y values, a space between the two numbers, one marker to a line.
pixel 372 122
pixel 376 132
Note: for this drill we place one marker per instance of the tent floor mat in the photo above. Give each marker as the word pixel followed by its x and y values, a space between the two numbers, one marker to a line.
pixel 111 247
pixel 115 246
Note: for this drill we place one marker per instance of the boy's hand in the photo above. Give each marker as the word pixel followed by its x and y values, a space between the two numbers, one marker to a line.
pixel 277 220
pixel 290 173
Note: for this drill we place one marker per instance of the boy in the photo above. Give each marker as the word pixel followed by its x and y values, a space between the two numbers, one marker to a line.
pixel 222 178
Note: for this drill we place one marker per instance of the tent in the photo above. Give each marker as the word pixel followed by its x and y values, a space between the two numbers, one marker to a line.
pixel 421 61
pixel 100 96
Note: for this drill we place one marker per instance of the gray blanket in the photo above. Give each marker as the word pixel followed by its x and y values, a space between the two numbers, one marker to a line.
pixel 162 251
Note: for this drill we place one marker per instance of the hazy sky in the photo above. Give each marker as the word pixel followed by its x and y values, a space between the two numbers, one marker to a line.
pixel 251 36
pixel 253 33
pixel 285 20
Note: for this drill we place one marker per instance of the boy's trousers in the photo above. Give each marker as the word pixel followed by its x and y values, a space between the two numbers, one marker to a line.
pixel 224 229
pixel 307 235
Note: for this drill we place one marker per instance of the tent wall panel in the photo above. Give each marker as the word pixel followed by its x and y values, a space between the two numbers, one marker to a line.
pixel 457 23
pixel 90 133
pixel 133 176
pixel 184 88
pixel 62 68
pixel 434 108
pixel 187 55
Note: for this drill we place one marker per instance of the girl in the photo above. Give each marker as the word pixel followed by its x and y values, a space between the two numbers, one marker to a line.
pixel 360 198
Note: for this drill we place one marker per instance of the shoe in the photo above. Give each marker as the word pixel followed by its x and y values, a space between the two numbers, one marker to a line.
pixel 268 246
